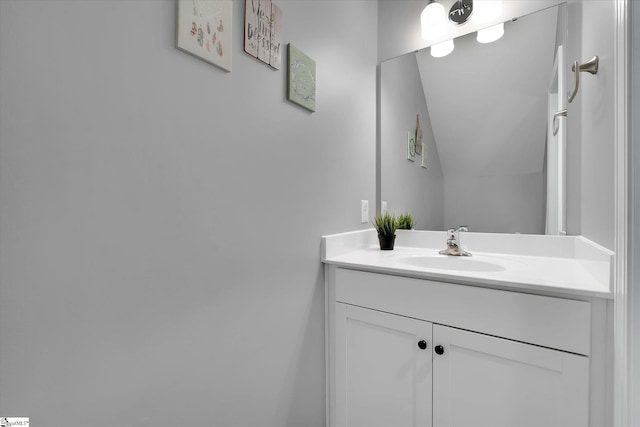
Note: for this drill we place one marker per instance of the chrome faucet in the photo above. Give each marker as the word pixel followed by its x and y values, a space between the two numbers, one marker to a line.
pixel 454 246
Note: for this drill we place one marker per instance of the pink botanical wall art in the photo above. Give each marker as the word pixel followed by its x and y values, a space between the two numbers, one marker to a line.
pixel 263 31
pixel 204 30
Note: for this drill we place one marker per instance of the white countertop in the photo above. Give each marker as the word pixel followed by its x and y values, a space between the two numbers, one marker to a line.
pixel 576 266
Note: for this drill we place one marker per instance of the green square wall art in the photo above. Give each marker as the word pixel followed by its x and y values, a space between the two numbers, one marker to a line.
pixel 301 78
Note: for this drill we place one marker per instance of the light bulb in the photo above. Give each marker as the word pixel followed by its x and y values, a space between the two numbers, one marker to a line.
pixel 442 49
pixel 486 10
pixel 490 34
pixel 432 21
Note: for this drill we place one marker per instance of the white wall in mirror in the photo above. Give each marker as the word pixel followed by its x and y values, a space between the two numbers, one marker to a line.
pixel 407 185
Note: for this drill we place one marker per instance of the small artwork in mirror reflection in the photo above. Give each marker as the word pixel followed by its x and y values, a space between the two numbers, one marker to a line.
pixel 418 136
pixel 411 146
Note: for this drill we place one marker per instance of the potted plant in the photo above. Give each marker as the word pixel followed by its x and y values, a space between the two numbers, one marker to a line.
pixel 386 225
pixel 405 221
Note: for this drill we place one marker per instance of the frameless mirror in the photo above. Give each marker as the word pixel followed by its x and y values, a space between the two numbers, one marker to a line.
pixel 491 155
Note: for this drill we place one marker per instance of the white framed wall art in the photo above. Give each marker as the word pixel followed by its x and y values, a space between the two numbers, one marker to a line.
pixel 204 30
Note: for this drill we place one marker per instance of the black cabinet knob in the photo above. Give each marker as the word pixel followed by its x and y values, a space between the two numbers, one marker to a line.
pixel 422 344
pixel 439 349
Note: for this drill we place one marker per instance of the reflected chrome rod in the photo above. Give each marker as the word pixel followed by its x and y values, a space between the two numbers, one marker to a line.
pixel 561 113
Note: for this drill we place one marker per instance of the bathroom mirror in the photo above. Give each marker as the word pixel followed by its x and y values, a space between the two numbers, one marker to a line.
pixel 485 114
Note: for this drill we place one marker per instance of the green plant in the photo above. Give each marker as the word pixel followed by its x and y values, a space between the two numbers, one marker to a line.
pixel 386 224
pixel 405 221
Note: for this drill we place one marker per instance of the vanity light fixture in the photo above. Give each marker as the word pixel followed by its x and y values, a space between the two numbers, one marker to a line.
pixel 486 10
pixel 490 34
pixel 461 11
pixel 442 49
pixel 433 20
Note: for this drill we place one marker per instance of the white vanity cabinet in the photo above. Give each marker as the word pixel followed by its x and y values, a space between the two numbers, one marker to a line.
pixel 419 353
pixel 383 371
pixel 480 380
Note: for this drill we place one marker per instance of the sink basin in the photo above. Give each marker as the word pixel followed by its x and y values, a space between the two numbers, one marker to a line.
pixel 453 263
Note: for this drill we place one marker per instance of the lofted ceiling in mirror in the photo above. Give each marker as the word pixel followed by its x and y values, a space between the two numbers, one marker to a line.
pixel 488 102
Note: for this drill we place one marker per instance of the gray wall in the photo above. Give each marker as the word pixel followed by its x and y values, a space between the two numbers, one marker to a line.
pixel 590 123
pixel 160 219
pixel 405 185
pixel 596 100
pixel 573 125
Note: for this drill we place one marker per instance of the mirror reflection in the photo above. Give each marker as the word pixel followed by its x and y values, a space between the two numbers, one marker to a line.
pixel 484 113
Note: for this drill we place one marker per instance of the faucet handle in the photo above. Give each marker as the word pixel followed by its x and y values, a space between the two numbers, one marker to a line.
pixel 463 228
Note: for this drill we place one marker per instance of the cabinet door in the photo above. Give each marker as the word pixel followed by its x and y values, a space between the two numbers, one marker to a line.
pixel 484 381
pixel 383 368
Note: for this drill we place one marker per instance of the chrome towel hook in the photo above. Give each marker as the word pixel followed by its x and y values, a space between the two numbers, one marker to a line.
pixel 590 66
pixel 561 113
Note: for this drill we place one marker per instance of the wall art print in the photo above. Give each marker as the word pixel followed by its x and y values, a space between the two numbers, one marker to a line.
pixel 418 136
pixel 263 31
pixel 204 30
pixel 301 78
